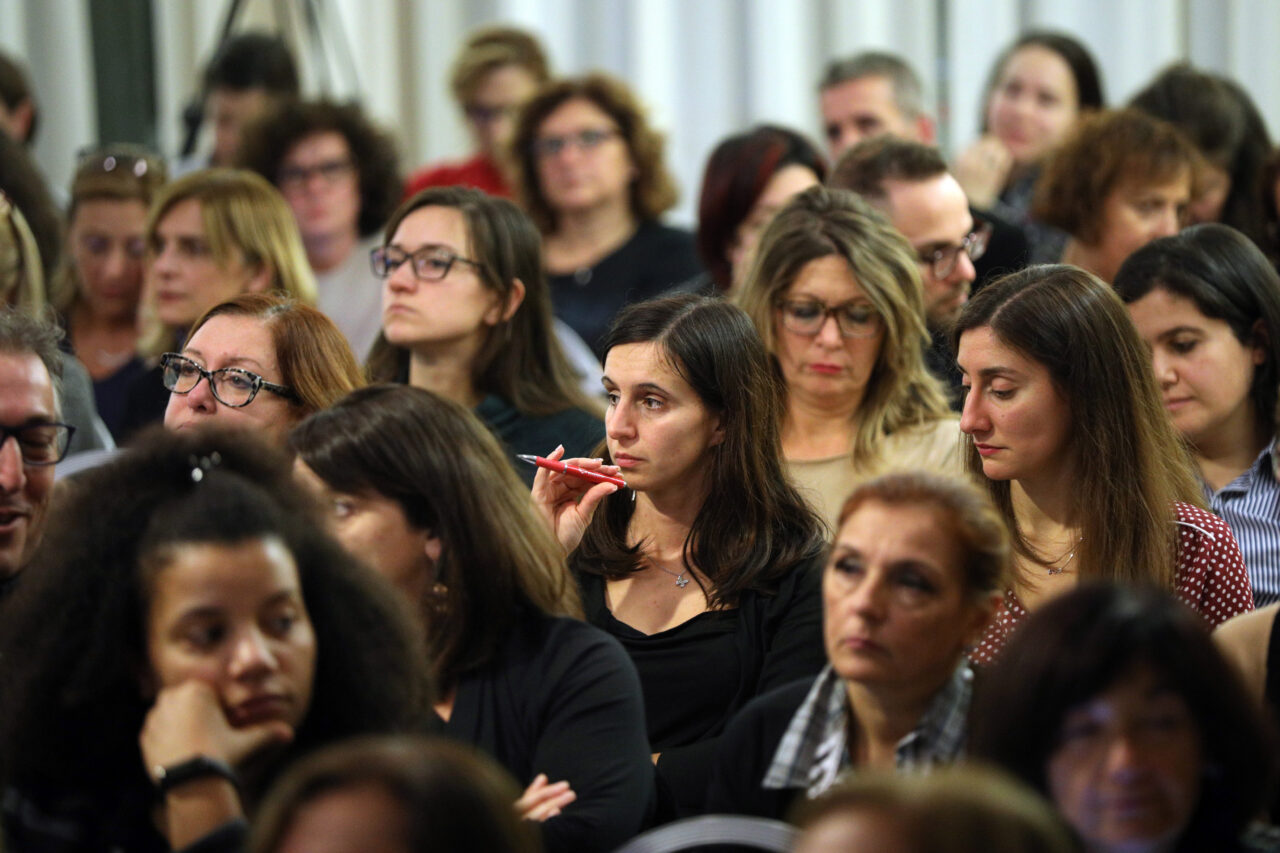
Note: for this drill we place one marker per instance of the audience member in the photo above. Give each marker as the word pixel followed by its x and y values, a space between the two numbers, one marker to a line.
pixel 592 176
pixel 1067 430
pixel 21 181
pixel 30 370
pixel 916 572
pixel 211 236
pixel 498 69
pixel 255 343
pixel 1221 120
pixel 555 701
pixel 709 574
pixel 186 633
pixel 1114 704
pixel 872 94
pixel 965 809
pixel 1039 88
pixel 1205 302
pixel 749 177
pixel 466 314
pixel 1252 645
pixel 18 113
pixel 1121 180
pixel 835 295
pixel 909 183
pixel 251 74
pixel 393 795
pixel 101 277
pixel 340 176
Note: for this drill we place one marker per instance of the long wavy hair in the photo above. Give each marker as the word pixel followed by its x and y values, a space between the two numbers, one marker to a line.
pixel 521 359
pixel 1130 464
pixel 449 476
pixel 73 640
pixel 821 222
pixel 754 527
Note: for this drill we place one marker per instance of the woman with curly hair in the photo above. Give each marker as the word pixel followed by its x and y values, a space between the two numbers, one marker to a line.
pixel 341 178
pixel 185 633
pixel 592 176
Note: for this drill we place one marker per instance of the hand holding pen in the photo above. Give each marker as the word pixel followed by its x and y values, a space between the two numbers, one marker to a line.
pixel 566 501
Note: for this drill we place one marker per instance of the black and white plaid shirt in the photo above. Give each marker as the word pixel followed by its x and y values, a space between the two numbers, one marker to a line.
pixel 814 749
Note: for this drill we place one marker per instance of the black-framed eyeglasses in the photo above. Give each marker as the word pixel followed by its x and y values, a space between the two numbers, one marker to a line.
pixel 39 443
pixel 584 140
pixel 430 263
pixel 808 316
pixel 232 386
pixel 329 172
pixel 942 262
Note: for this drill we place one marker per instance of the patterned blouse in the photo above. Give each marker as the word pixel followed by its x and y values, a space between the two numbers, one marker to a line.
pixel 1211 580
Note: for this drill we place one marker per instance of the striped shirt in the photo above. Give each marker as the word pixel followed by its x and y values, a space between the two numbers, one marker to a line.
pixel 1250 505
pixel 814 750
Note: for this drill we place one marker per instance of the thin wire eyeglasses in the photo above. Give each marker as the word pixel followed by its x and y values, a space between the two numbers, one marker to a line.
pixel 808 316
pixel 233 387
pixel 429 263
pixel 942 262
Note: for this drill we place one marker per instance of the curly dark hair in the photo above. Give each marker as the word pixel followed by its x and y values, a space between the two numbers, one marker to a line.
pixel 73 641
pixel 268 140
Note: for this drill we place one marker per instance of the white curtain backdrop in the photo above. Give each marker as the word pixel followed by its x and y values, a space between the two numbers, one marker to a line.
pixel 705 68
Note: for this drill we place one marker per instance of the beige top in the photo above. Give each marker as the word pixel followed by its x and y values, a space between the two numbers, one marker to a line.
pixel 1244 641
pixel 933 447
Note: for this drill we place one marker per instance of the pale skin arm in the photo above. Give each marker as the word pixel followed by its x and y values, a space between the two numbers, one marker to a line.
pixel 567 503
pixel 983 170
pixel 185 721
pixel 543 800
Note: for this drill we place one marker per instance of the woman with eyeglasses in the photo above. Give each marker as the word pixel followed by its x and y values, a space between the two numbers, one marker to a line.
pixel 837 298
pixel 102 277
pixel 466 314
pixel 591 174
pixel 211 236
pixel 258 362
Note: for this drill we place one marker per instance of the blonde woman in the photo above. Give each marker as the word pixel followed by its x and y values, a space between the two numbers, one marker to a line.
pixel 835 294
pixel 211 236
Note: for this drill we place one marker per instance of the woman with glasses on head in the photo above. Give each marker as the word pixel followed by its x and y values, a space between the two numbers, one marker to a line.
pixel 259 362
pixel 466 315
pixel 211 236
pixel 835 294
pixel 103 269
pixel 591 174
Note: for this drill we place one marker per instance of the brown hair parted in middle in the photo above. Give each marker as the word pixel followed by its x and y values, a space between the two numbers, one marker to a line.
pixel 1129 463
pixel 653 190
pixel 315 360
pixel 1109 149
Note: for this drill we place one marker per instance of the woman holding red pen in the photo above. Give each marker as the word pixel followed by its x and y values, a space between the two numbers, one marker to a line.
pixel 707 567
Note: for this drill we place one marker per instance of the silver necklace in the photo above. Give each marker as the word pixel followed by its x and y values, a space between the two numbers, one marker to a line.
pixel 1057 570
pixel 681 580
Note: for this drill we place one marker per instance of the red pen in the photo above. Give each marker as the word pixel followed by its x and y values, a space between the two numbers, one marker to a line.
pixel 583 473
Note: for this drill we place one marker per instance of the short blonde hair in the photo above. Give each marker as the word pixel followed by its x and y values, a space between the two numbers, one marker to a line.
pixel 242 215
pixel 490 48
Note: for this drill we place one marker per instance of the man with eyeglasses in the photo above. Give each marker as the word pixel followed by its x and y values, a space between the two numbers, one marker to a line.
pixel 909 182
pixel 32 437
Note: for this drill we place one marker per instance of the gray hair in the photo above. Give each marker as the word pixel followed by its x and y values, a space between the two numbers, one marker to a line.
pixel 23 334
pixel 908 91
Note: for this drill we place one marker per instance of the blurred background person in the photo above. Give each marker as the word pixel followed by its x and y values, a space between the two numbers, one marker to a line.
pixel 341 178
pixel 918 567
pixel 497 70
pixel 749 177
pixel 394 795
pixel 1121 180
pixel 1205 302
pixel 1220 119
pixel 101 276
pixel 835 295
pixel 211 235
pixel 260 362
pixel 1039 88
pixel 466 314
pixel 251 74
pixel 18 113
pixel 593 178
pixel 1066 429
pixel 1114 703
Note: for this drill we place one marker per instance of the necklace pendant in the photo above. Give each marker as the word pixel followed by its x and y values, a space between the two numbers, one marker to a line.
pixel 681 580
pixel 1054 570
